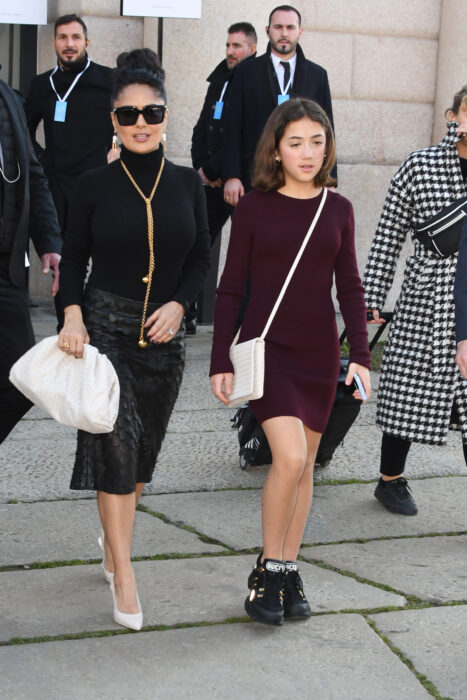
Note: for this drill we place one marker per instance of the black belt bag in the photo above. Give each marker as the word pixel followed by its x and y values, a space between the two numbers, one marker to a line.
pixel 441 234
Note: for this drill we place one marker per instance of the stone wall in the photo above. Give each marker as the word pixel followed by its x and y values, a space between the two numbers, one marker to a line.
pixel 390 69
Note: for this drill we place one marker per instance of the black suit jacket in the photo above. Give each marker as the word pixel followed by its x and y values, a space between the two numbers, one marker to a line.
pixel 253 97
pixel 460 287
pixel 37 215
pixel 80 142
pixel 207 139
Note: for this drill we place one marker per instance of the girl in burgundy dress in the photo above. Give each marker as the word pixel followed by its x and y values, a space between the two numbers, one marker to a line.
pixel 294 157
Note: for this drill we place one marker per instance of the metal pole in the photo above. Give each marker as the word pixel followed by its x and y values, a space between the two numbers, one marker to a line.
pixel 160 36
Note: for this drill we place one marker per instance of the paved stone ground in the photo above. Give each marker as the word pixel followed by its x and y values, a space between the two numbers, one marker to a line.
pixel 389 593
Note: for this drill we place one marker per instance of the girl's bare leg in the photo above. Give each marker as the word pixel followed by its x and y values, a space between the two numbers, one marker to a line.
pixel 109 563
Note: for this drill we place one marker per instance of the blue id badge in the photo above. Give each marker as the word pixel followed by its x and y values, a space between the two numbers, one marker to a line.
pixel 60 111
pixel 218 110
pixel 282 98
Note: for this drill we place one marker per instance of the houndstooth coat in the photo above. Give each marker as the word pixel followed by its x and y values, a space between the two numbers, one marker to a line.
pixel 419 378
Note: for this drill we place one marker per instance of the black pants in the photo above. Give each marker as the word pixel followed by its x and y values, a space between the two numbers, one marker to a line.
pixel 218 213
pixel 394 451
pixel 16 337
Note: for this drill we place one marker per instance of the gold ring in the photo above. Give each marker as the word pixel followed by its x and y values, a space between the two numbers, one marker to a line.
pixel 227 197
pixel 66 345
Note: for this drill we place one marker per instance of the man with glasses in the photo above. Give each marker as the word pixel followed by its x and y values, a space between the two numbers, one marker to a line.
pixel 73 101
pixel 206 151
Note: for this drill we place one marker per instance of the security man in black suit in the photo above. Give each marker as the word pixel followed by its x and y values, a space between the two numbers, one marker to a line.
pixel 26 209
pixel 73 101
pixel 460 298
pixel 206 150
pixel 259 86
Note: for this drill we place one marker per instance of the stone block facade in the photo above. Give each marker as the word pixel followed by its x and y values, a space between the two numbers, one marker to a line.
pixel 393 67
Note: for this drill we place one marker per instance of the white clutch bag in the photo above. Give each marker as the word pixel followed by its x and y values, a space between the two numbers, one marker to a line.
pixel 248 357
pixel 248 380
pixel 82 393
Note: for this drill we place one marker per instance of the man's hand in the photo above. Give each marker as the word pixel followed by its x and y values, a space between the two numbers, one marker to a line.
pixel 209 183
pixel 461 358
pixel 233 190
pixel 51 260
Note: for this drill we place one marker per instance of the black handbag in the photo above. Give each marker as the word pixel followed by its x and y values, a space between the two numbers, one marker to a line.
pixel 441 234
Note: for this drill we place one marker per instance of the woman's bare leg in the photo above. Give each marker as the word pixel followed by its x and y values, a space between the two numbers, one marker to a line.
pixel 287 440
pixel 294 536
pixel 109 563
pixel 117 514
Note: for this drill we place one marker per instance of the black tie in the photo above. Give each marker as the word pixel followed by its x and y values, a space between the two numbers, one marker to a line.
pixel 286 66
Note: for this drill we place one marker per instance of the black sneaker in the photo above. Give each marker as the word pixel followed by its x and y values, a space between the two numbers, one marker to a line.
pixel 396 496
pixel 296 606
pixel 266 583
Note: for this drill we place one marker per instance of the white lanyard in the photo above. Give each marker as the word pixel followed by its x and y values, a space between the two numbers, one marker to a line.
pixel 223 91
pixel 63 99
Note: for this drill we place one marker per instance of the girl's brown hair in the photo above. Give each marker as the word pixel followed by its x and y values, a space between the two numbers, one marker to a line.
pixel 460 99
pixel 267 172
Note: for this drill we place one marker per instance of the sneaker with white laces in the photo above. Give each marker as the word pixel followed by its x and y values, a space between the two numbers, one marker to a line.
pixel 396 496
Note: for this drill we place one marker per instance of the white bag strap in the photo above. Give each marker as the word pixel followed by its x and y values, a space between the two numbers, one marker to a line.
pixel 295 263
pixel 291 271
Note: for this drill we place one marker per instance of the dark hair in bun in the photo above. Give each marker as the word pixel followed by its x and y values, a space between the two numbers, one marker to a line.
pixel 139 67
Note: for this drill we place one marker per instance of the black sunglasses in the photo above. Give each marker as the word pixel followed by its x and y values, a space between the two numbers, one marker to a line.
pixel 128 116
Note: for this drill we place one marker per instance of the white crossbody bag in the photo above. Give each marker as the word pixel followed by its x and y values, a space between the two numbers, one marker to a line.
pixel 248 357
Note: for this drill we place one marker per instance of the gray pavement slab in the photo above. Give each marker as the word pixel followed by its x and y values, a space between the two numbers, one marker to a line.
pixel 435 641
pixel 431 568
pixel 65 530
pixel 75 599
pixel 338 512
pixel 330 658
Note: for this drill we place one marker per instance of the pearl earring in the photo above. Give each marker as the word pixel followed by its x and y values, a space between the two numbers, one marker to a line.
pixel 114 142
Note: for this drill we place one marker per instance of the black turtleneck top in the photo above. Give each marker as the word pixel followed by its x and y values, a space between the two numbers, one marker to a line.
pixel 108 223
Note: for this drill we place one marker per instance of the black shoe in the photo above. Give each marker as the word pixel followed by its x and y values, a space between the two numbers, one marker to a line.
pixel 266 583
pixel 296 606
pixel 396 496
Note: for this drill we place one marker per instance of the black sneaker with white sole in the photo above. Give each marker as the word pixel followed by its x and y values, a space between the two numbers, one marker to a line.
pixel 266 582
pixel 396 496
pixel 296 606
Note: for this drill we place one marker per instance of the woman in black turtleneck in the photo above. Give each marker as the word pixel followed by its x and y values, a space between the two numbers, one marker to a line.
pixel 110 222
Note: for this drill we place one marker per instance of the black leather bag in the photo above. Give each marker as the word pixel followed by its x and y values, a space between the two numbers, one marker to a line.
pixel 441 234
pixel 254 449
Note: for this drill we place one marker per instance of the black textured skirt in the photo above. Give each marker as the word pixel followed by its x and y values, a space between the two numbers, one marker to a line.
pixel 150 380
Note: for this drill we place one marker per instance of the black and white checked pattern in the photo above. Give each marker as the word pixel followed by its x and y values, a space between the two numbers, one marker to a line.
pixel 419 377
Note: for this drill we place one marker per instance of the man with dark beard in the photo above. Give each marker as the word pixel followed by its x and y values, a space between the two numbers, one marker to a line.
pixel 206 153
pixel 259 86
pixel 73 100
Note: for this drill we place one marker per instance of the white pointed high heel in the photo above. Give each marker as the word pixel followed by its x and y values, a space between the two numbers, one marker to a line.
pixel 132 620
pixel 108 575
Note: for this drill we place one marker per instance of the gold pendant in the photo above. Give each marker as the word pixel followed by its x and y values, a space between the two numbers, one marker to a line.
pixel 142 343
pixel 145 280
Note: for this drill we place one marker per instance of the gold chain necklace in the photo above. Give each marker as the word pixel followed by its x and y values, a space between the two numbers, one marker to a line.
pixel 147 279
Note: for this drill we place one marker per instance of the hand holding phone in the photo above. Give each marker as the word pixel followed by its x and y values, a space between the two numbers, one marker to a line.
pixel 359 386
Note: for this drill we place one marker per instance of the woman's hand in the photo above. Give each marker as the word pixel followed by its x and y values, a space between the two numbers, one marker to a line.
pixel 376 317
pixel 73 335
pixel 221 386
pixel 164 323
pixel 364 375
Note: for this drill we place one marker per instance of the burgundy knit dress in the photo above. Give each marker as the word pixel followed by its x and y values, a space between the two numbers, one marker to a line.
pixel 302 346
